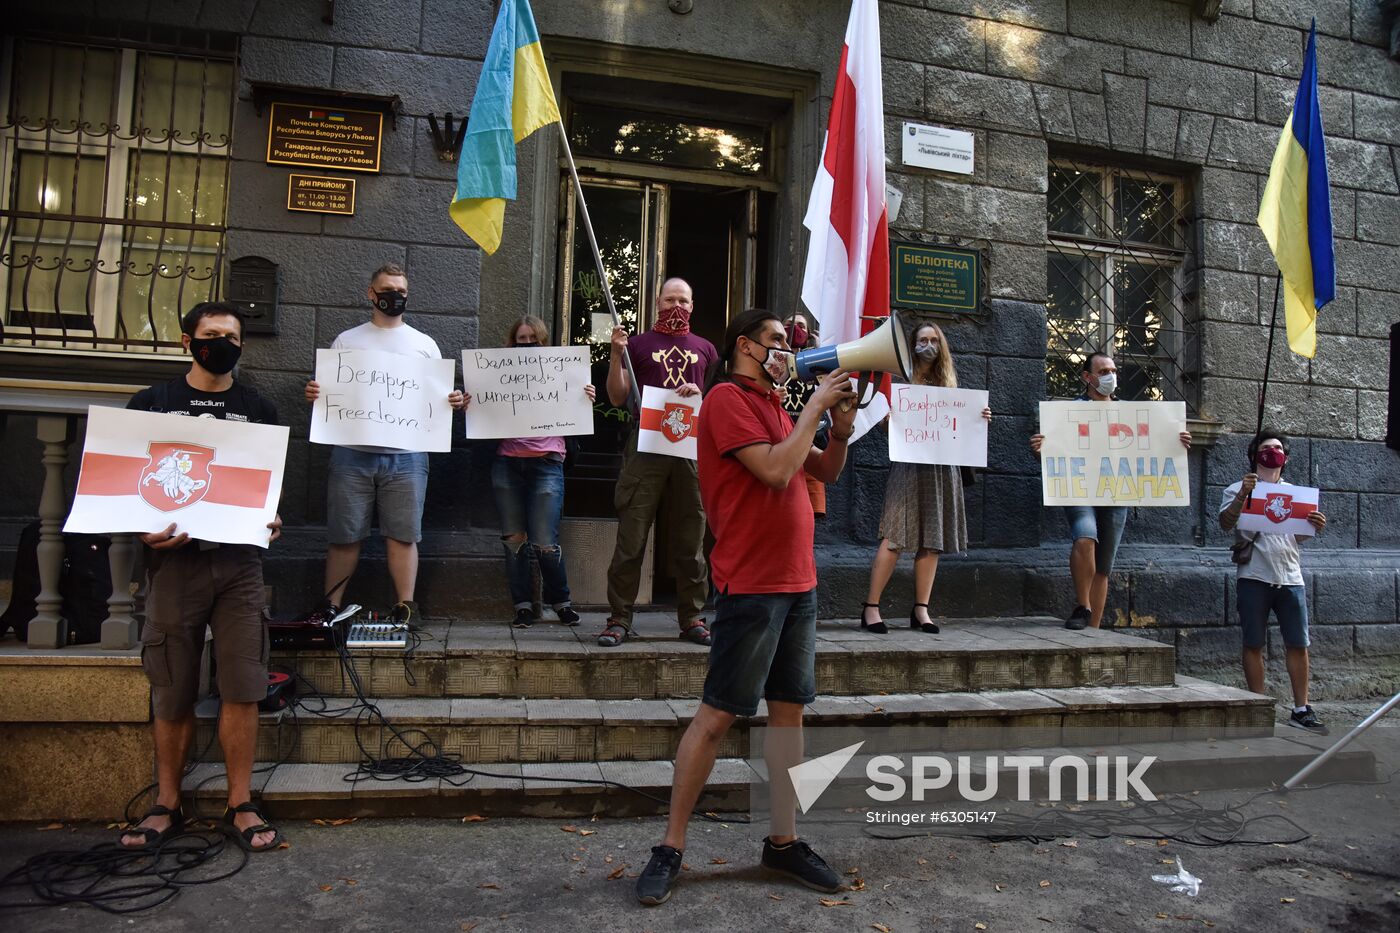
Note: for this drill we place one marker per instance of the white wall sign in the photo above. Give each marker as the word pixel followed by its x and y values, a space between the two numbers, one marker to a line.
pixel 377 399
pixel 938 148
pixel 931 424
pixel 527 392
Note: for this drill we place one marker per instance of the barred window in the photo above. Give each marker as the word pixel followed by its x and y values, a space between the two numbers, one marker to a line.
pixel 1115 269
pixel 113 212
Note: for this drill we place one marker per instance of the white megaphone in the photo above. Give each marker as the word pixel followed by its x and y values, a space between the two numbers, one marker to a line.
pixel 884 350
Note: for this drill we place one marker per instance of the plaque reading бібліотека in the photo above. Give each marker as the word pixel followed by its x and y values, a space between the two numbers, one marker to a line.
pixel 321 194
pixel 324 137
pixel 935 278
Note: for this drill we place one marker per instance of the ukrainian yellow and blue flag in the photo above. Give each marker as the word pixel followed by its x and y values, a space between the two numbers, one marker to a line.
pixel 513 99
pixel 1296 212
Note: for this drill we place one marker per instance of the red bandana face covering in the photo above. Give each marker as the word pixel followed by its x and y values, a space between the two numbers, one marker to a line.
pixel 674 321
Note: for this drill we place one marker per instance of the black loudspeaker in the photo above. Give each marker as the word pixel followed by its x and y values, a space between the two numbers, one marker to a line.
pixel 1392 431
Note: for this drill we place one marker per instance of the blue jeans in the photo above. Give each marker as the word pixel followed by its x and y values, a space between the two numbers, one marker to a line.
pixel 765 645
pixel 530 496
pixel 1254 599
pixel 1100 523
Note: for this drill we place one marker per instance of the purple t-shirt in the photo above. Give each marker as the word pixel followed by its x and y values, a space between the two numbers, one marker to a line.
pixel 668 360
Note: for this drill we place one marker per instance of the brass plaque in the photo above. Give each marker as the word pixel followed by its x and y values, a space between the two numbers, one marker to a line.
pixel 324 137
pixel 321 194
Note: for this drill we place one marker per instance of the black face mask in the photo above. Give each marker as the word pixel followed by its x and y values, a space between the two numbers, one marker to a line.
pixel 390 303
pixel 217 354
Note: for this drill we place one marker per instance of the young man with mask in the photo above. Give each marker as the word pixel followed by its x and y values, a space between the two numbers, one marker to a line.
pixel 668 356
pixel 1271 580
pixel 363 480
pixel 193 584
pixel 1097 530
pixel 753 459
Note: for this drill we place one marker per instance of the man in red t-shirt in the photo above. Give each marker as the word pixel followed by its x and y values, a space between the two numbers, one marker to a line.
pixel 753 462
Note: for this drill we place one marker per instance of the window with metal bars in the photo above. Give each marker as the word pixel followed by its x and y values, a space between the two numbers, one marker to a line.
pixel 115 166
pixel 1117 261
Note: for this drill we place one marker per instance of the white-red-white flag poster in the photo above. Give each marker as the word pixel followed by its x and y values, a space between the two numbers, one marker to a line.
pixel 668 423
pixel 847 279
pixel 215 480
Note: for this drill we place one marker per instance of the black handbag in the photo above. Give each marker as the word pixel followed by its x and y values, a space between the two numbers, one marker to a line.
pixel 1241 552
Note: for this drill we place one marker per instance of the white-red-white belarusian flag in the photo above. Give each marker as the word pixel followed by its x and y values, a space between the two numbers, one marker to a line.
pixel 214 480
pixel 667 423
pixel 848 258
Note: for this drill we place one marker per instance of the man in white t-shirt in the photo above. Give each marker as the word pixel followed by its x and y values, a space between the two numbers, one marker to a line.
pixel 363 479
pixel 1271 579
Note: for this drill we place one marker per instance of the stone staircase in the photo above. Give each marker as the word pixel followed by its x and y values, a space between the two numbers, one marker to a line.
pixel 544 712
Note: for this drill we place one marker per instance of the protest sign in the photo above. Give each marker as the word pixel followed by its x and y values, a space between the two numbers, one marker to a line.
pixel 931 424
pixel 215 480
pixel 527 392
pixel 1280 509
pixel 668 423
pixel 370 398
pixel 1114 453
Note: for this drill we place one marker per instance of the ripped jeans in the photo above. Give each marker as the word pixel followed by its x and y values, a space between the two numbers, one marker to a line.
pixel 529 497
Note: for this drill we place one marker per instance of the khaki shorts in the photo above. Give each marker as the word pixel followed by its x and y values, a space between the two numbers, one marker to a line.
pixel 189 589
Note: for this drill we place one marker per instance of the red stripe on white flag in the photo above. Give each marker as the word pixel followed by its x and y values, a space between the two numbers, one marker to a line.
pixel 848 265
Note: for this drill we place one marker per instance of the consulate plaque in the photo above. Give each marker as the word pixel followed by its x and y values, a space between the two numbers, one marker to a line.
pixel 321 194
pixel 935 278
pixel 324 137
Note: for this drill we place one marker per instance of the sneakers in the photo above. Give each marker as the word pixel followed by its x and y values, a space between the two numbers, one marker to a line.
pixel 524 618
pixel 656 880
pixel 405 613
pixel 1308 720
pixel 1078 619
pixel 801 864
pixel 567 616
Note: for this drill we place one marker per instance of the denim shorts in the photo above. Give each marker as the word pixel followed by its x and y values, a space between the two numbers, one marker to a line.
pixel 359 482
pixel 765 645
pixel 1255 598
pixel 1101 523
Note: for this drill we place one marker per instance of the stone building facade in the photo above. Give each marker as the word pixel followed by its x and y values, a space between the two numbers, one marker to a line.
pixel 1077 107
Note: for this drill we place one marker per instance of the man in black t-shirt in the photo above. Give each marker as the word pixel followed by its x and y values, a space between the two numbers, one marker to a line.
pixel 193 584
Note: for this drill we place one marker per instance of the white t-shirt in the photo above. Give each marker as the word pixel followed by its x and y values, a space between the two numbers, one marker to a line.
pixel 403 340
pixel 1276 558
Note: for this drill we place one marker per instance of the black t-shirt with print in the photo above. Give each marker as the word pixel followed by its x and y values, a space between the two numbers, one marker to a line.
pixel 178 397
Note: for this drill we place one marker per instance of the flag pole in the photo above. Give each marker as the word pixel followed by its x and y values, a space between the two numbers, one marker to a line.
pixel 636 392
pixel 1269 357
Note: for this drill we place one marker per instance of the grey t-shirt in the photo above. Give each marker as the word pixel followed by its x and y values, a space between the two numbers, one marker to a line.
pixel 1276 558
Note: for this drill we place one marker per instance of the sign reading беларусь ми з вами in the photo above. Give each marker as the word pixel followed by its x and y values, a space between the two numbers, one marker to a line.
pixel 935 278
pixel 324 137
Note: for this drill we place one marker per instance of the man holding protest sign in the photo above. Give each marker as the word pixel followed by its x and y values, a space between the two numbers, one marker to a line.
pixel 365 478
pixel 1097 530
pixel 668 356
pixel 193 584
pixel 1269 573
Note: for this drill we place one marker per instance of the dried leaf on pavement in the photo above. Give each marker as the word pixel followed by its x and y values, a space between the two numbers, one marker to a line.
pixel 326 887
pixel 616 873
pixel 880 926
pixel 922 861
pixel 719 861
pixel 342 821
pixel 775 897
pixel 1045 884
pixel 568 829
pixel 473 818
pixel 1070 843
pixel 587 832
pixel 832 902
pixel 1287 900
pixel 468 926
pixel 490 884
pixel 979 925
pixel 50 826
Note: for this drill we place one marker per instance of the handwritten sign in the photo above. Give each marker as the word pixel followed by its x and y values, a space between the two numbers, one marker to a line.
pixel 931 424
pixel 376 399
pixel 215 480
pixel 1280 509
pixel 527 392
pixel 1114 453
pixel 667 423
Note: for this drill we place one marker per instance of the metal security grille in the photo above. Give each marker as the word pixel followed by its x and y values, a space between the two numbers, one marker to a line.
pixel 115 166
pixel 1116 269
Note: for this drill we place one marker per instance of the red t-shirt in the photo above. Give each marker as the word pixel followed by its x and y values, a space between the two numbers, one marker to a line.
pixel 763 536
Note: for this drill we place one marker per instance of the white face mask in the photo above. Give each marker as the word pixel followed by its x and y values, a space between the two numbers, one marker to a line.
pixel 776 363
pixel 1108 384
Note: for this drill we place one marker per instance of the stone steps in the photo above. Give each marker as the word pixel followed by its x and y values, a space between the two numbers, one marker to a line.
pixel 481 659
pixel 311 791
pixel 532 730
